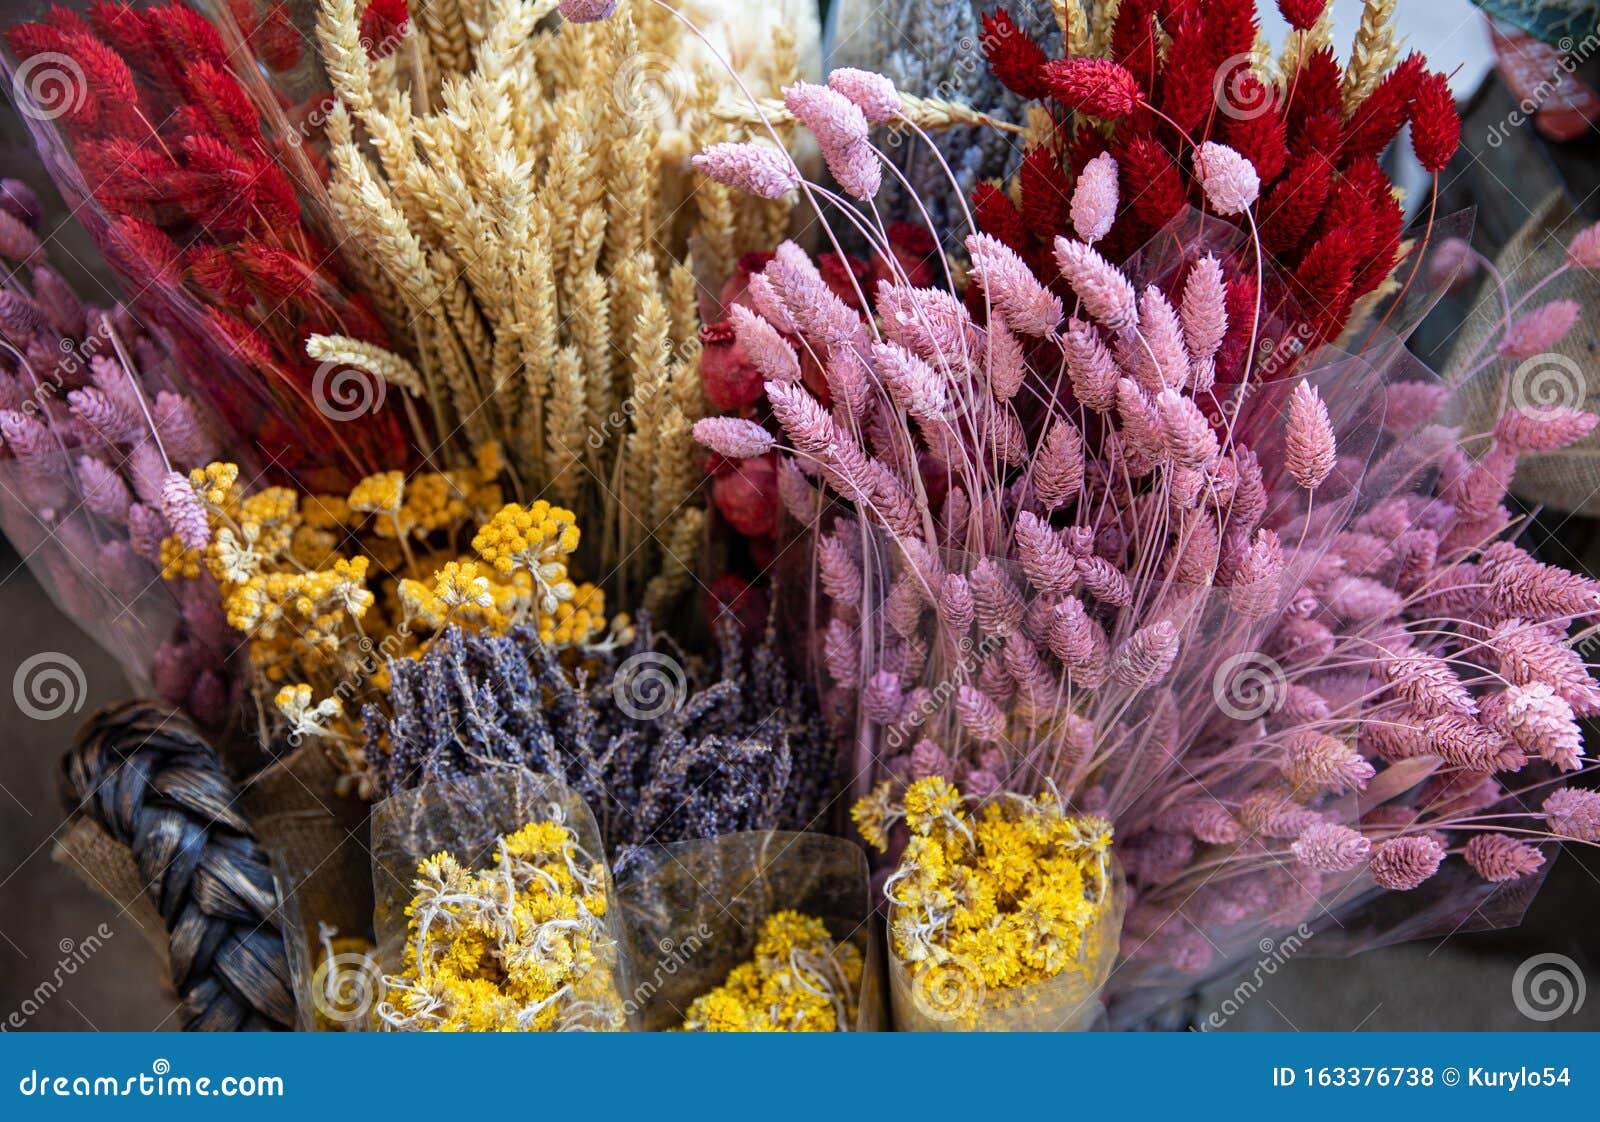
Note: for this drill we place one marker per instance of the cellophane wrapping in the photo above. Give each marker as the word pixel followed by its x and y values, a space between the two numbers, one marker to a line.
pixel 690 913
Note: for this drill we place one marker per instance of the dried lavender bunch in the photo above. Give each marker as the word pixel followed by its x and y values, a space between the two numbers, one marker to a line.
pixel 658 756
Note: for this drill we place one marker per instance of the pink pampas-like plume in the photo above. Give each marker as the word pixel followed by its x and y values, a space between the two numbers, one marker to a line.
pixel 1309 446
pixel 1106 293
pixel 1049 565
pixel 1319 764
pixel 1163 358
pixel 1146 657
pixel 1058 466
pixel 1584 249
pixel 1229 180
pixel 756 169
pixel 1027 305
pixel 1535 332
pixel 872 93
pixel 1404 863
pixel 979 715
pixel 840 127
pixel 916 387
pixel 1542 724
pixel 1094 199
pixel 1543 429
pixel 733 437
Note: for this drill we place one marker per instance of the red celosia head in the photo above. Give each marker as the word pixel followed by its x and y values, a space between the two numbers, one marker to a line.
pixel 1094 86
pixel 383 27
pixel 731 381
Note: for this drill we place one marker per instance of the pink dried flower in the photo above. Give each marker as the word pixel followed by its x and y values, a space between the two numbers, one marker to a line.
pixel 1106 293
pixel 1205 313
pixel 1146 657
pixel 857 168
pixel 1255 587
pixel 1543 429
pixel 103 416
pixel 1229 180
pixel 1210 822
pixel 1190 438
pixel 733 437
pixel 955 604
pixel 833 118
pixel 146 531
pixel 763 346
pixel 881 700
pixel 995 598
pixel 928 759
pixel 587 11
pixel 756 169
pixel 183 512
pixel 1058 466
pixel 1163 359
pixel 980 716
pixel 1499 858
pixel 1584 249
pixel 768 305
pixel 1319 764
pixel 1027 305
pixel 1049 565
pixel 816 310
pixel 872 93
pixel 1537 720
pixel 1090 367
pixel 1452 264
pixel 1105 582
pixel 1094 199
pixel 1079 642
pixel 915 386
pixel 928 321
pixel 1401 864
pixel 1308 444
pixel 24 435
pixel 1008 365
pixel 17 241
pixel 1535 332
pixel 841 653
pixel 1329 847
pixel 104 492
pixel 1574 813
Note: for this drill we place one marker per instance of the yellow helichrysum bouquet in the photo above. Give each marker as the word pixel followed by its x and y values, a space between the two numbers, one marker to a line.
pixel 799 980
pixel 520 947
pixel 1002 916
pixel 328 588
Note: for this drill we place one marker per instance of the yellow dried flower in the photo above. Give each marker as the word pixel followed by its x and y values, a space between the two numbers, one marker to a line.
pixel 799 980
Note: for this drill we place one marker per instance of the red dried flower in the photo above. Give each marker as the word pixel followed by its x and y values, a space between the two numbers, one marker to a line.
pixel 1159 193
pixel 1016 59
pixel 1046 192
pixel 1294 203
pixel 1094 86
pixel 276 39
pixel 383 26
pixel 1435 124
pixel 1378 119
pixel 1301 14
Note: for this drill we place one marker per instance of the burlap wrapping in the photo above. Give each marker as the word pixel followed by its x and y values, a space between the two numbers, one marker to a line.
pixel 1569 374
pixel 107 867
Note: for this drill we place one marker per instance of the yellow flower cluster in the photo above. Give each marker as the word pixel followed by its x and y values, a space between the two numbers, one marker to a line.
pixel 521 947
pixel 1010 893
pixel 800 980
pixel 327 588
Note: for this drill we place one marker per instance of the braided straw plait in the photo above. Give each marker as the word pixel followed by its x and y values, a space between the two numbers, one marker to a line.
pixel 150 781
